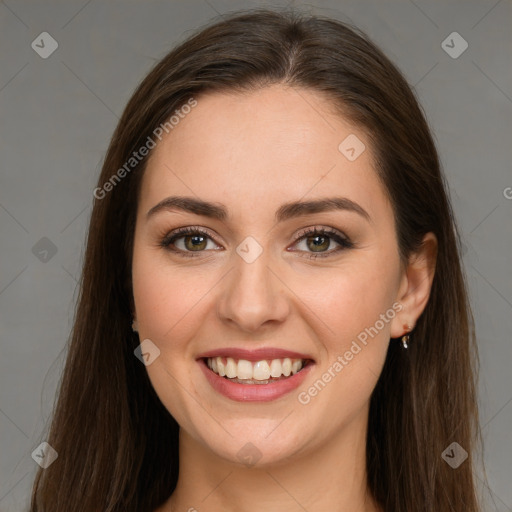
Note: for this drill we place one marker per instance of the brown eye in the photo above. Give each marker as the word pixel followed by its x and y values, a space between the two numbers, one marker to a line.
pixel 195 242
pixel 318 243
pixel 188 240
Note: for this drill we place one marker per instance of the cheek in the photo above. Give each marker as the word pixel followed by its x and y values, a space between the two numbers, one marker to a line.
pixel 353 310
pixel 167 299
pixel 347 300
pixel 168 305
pixel 354 343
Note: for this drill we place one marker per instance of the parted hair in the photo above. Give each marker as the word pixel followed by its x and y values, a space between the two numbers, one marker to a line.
pixel 117 444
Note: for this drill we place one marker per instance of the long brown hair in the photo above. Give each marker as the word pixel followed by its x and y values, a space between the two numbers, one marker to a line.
pixel 117 444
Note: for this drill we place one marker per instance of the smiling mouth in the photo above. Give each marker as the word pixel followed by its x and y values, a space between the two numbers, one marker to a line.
pixel 242 371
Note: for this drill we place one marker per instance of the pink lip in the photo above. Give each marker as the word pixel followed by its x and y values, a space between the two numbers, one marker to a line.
pixel 254 392
pixel 259 354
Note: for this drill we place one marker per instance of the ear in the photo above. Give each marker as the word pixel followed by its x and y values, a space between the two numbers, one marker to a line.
pixel 415 286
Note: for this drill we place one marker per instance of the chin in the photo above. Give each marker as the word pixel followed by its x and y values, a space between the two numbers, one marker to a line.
pixel 257 443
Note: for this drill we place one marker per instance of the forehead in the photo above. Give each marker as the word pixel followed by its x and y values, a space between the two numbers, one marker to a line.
pixel 272 145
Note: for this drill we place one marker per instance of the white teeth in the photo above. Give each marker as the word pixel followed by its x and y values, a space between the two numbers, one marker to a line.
pixel 287 367
pixel 260 371
pixel 275 368
pixel 231 368
pixel 220 367
pixel 296 366
pixel 244 369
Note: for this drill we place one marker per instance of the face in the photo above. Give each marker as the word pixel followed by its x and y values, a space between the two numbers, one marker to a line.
pixel 258 285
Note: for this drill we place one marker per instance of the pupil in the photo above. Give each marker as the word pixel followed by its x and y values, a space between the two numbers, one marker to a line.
pixel 197 241
pixel 319 245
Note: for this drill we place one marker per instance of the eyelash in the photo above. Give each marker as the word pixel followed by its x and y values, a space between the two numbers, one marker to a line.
pixel 343 241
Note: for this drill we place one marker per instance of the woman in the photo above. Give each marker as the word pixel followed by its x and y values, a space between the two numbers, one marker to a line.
pixel 272 314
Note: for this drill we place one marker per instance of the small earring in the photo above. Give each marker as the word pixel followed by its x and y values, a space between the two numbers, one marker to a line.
pixel 406 336
pixel 135 326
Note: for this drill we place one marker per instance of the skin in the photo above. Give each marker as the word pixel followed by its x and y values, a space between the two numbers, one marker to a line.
pixel 252 153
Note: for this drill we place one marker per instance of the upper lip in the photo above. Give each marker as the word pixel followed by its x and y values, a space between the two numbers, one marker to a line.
pixel 255 355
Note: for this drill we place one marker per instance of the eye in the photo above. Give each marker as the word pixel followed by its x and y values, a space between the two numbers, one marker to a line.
pixel 195 240
pixel 189 240
pixel 319 240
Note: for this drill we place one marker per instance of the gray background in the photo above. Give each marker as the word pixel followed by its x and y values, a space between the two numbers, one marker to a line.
pixel 58 114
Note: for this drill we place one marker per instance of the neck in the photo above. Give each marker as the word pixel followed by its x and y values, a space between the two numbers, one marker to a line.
pixel 332 476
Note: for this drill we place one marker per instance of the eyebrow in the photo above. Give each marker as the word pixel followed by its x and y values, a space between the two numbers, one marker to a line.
pixel 286 211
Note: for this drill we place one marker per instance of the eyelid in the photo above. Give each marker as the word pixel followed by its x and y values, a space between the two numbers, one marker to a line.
pixel 319 229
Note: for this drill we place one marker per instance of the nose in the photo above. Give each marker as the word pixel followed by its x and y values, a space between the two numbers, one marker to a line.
pixel 253 295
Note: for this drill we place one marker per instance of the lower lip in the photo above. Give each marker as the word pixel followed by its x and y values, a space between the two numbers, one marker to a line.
pixel 254 392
